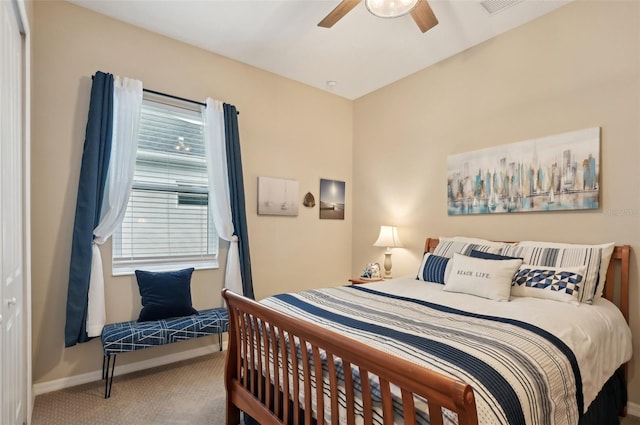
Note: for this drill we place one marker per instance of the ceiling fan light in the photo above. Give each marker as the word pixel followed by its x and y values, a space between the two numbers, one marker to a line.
pixel 390 8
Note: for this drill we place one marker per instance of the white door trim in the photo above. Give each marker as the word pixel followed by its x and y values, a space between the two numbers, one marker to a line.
pixel 26 179
pixel 25 27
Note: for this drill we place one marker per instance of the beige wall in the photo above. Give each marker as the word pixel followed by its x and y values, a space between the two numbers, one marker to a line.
pixel 578 67
pixel 575 68
pixel 286 129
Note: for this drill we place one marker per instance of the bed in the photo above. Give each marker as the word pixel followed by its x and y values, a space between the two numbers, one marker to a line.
pixel 408 351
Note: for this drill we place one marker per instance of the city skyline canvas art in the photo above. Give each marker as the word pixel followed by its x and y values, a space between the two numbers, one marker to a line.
pixel 553 173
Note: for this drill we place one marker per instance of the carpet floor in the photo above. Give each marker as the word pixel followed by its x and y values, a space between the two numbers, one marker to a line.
pixel 190 392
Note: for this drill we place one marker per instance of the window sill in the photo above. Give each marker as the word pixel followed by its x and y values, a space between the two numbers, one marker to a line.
pixel 130 268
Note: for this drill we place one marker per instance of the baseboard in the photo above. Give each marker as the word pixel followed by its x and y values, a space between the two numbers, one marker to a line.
pixel 633 409
pixel 72 381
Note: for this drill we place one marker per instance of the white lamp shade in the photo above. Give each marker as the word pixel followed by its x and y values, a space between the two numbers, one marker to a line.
pixel 388 237
pixel 390 8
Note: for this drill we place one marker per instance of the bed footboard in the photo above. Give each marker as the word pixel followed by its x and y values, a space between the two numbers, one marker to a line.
pixel 281 370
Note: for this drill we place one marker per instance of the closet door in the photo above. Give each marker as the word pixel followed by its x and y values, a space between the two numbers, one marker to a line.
pixel 12 327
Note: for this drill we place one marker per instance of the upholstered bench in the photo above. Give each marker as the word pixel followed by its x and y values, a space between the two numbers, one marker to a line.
pixel 133 335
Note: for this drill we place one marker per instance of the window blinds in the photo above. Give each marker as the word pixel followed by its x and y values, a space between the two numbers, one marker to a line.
pixel 167 216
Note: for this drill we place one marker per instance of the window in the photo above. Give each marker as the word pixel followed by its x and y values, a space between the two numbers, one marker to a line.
pixel 167 223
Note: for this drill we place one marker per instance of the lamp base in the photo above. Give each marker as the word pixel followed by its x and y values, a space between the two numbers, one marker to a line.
pixel 387 265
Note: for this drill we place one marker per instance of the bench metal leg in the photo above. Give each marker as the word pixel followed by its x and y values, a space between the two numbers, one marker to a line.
pixel 220 340
pixel 106 375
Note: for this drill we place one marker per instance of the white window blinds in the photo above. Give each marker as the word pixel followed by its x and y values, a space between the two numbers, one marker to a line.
pixel 167 220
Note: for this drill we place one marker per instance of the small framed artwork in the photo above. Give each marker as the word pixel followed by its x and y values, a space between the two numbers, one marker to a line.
pixel 277 196
pixel 332 199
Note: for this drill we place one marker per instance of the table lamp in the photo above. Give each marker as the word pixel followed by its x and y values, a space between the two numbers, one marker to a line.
pixel 388 238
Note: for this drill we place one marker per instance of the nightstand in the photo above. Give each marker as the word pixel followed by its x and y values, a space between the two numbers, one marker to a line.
pixel 360 280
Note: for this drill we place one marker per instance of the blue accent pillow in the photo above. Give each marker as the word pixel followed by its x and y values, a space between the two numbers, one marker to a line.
pixel 433 268
pixel 560 284
pixel 165 294
pixel 491 256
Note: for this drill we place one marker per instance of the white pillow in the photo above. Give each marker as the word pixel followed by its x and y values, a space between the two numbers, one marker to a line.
pixel 450 245
pixel 483 278
pixel 552 254
pixel 552 283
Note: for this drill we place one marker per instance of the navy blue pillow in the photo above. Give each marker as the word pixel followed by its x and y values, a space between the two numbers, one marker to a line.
pixel 491 256
pixel 165 294
pixel 433 268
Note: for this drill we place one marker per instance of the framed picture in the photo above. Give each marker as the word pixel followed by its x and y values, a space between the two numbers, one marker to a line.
pixel 332 199
pixel 553 173
pixel 277 196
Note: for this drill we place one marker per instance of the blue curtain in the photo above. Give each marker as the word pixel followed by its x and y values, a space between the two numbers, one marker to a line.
pixel 93 175
pixel 236 191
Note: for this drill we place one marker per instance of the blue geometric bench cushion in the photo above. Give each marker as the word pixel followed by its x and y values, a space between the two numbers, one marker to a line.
pixel 129 336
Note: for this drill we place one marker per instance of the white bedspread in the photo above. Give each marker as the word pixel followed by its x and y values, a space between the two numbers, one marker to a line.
pixel 597 334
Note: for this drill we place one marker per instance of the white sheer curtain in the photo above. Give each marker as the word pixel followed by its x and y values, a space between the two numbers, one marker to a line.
pixel 127 102
pixel 216 155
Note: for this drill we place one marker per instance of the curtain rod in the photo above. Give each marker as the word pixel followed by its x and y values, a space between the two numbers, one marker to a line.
pixel 177 98
pixel 174 97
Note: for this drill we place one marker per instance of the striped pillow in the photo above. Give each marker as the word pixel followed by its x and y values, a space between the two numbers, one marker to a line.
pixel 433 268
pixel 448 246
pixel 551 254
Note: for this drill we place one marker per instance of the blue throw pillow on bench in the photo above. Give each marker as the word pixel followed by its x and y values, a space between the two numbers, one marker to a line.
pixel 165 294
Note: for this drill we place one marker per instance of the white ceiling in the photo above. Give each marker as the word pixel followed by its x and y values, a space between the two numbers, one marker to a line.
pixel 361 53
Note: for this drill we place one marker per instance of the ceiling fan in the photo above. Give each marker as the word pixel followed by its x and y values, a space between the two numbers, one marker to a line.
pixel 420 11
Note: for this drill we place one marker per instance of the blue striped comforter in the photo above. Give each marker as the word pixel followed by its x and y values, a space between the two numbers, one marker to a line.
pixel 520 374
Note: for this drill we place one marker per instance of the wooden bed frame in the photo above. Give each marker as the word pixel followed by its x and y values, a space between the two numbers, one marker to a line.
pixel 254 328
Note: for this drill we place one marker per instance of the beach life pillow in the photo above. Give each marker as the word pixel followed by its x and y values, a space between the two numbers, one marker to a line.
pixel 165 294
pixel 463 245
pixel 556 283
pixel 551 254
pixel 434 268
pixel 480 277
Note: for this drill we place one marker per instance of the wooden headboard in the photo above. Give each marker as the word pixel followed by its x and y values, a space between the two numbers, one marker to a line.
pixel 621 254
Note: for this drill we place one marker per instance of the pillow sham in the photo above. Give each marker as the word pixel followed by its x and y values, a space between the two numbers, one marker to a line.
pixel 434 268
pixel 483 278
pixel 551 254
pixel 165 294
pixel 450 245
pixel 559 284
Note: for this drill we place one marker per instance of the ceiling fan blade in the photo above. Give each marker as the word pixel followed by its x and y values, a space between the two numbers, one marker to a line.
pixel 424 16
pixel 338 13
